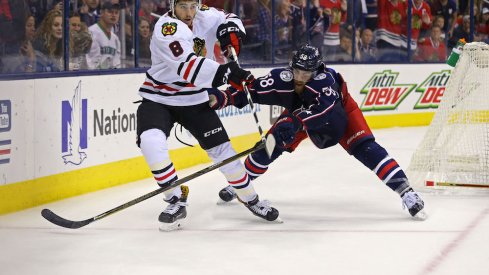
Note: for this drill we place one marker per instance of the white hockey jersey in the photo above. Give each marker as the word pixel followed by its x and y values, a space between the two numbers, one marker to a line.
pixel 183 59
pixel 105 52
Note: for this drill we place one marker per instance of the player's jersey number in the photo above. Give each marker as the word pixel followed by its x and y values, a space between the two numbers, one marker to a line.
pixel 266 82
pixel 176 48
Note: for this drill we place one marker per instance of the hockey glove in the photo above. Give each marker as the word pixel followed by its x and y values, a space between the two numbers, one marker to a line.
pixel 229 34
pixel 285 129
pixel 219 99
pixel 233 75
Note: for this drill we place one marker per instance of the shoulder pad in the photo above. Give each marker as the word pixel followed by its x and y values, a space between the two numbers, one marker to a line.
pixel 170 28
pixel 283 74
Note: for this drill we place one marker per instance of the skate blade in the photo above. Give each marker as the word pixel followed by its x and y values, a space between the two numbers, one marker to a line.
pixel 168 227
pixel 420 216
pixel 278 220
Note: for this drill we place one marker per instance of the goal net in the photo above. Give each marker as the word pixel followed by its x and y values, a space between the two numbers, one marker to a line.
pixel 455 149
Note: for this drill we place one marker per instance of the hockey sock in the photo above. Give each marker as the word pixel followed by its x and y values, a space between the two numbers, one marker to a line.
pixel 256 163
pixel 375 157
pixel 155 151
pixel 234 171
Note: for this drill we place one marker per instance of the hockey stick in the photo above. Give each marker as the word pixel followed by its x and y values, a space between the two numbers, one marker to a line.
pixel 269 140
pixel 60 221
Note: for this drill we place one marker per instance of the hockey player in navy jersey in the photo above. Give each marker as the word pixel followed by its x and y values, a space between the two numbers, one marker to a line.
pixel 317 105
pixel 182 69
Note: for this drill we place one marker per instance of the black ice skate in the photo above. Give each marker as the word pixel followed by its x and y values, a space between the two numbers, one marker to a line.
pixel 415 205
pixel 176 211
pixel 263 210
pixel 226 194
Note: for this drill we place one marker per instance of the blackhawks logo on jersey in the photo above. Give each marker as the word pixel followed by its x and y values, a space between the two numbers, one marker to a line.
pixel 169 28
pixel 204 7
pixel 199 47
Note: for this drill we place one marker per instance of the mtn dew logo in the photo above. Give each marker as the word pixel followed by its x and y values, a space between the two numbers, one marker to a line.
pixel 432 90
pixel 383 93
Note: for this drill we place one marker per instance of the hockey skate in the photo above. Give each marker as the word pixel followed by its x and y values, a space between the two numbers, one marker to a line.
pixel 226 195
pixel 170 218
pixel 415 205
pixel 263 210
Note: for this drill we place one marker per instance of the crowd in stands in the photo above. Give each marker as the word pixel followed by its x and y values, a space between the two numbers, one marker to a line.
pixel 102 34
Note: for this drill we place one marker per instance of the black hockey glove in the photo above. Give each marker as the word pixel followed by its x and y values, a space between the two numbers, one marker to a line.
pixel 230 35
pixel 285 129
pixel 219 99
pixel 233 75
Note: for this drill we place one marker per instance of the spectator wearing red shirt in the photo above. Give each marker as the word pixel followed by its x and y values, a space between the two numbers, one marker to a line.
pixel 483 27
pixel 432 49
pixel 334 9
pixel 421 20
pixel 391 15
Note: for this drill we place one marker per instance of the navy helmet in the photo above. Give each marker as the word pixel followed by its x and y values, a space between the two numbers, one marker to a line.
pixel 307 58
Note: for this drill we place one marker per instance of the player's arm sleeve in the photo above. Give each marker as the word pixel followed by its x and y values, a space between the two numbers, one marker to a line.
pixel 270 89
pixel 224 17
pixel 316 115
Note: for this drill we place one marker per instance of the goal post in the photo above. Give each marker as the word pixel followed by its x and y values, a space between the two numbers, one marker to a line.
pixel 454 152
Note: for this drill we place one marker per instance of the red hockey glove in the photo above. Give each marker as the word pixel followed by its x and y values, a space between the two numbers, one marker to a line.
pixel 229 34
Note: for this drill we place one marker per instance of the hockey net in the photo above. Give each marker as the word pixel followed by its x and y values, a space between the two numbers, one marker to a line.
pixel 454 153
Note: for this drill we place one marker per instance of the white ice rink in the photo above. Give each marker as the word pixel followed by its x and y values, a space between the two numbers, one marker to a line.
pixel 338 219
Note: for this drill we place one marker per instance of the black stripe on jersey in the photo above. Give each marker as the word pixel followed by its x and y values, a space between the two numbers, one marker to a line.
pixel 197 70
pixel 182 63
pixel 177 83
pixel 180 93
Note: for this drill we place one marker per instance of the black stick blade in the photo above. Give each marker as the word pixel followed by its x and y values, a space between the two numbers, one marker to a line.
pixel 57 220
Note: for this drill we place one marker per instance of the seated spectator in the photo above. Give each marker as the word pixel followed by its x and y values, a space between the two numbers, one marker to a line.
pixel 282 25
pixel 146 8
pixel 448 10
pixel 80 43
pixel 432 49
pixel 345 51
pixel 144 41
pixel 26 49
pixel 105 52
pixel 48 43
pixel 89 12
pixel 367 47
pixel 461 31
pixel 439 21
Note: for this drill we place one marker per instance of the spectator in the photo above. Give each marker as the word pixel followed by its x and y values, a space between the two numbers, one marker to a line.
pixel 333 9
pixel 316 21
pixel 461 31
pixel 345 50
pixel 264 31
pixel 282 25
pixel 146 9
pixel 432 49
pixel 105 52
pixel 297 22
pixel 448 10
pixel 368 50
pixel 48 42
pixel 483 26
pixel 80 43
pixel 439 21
pixel 27 50
pixel 13 15
pixel 89 12
pixel 391 14
pixel 372 15
pixel 421 21
pixel 144 40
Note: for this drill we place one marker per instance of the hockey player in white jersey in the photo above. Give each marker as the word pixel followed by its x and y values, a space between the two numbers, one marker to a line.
pixel 175 90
